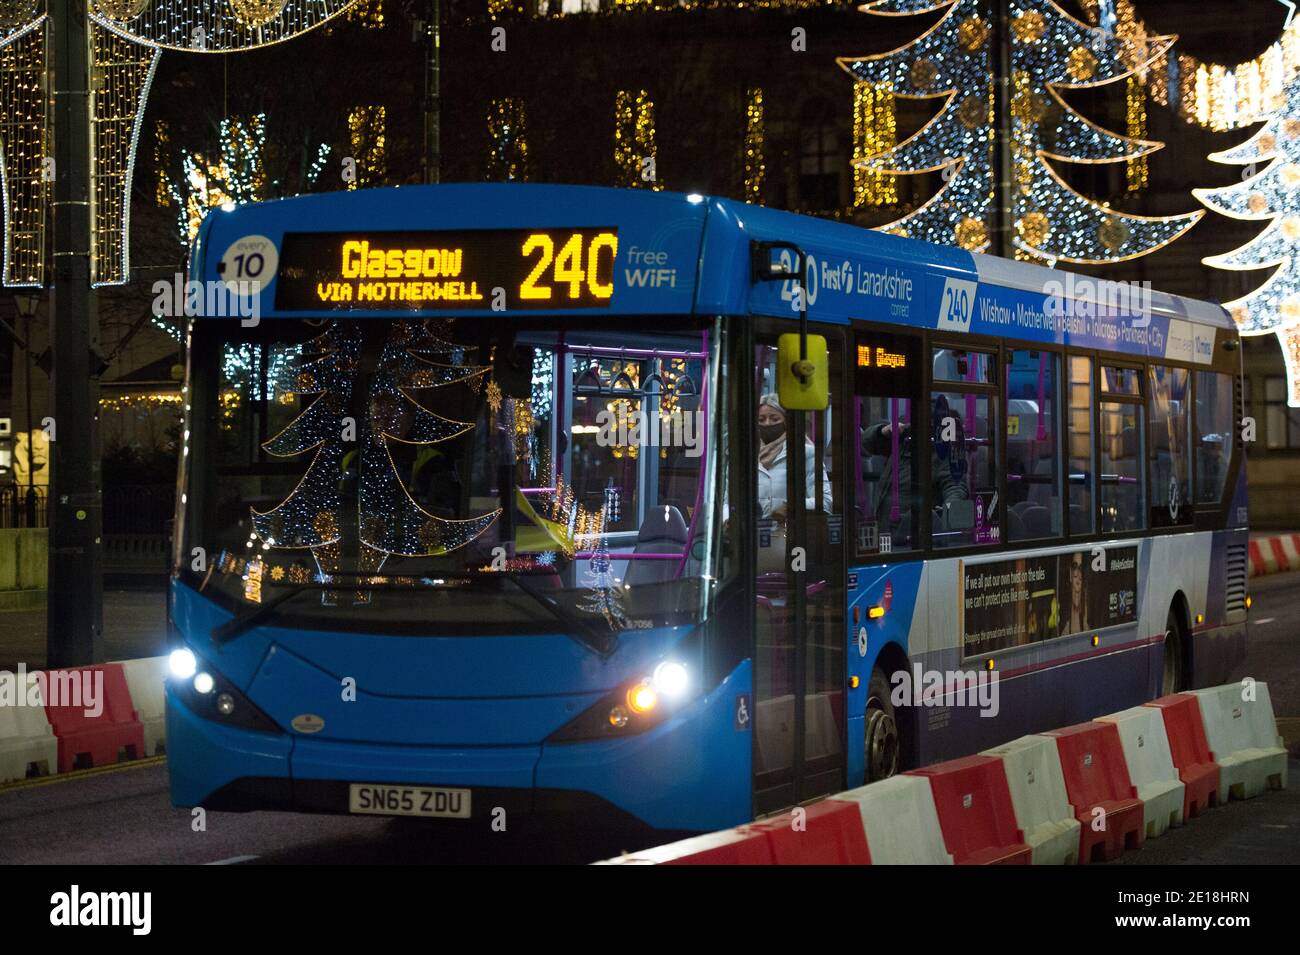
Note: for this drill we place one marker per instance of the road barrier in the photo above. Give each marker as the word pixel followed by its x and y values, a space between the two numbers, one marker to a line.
pixel 88 738
pixel 1150 767
pixel 1190 752
pixel 900 821
pixel 27 743
pixel 1243 738
pixel 1043 810
pixel 975 812
pixel 144 679
pixel 1080 794
pixel 1274 553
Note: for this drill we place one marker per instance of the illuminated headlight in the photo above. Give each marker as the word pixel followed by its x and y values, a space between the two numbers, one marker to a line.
pixel 671 679
pixel 642 698
pixel 203 683
pixel 225 704
pixel 182 664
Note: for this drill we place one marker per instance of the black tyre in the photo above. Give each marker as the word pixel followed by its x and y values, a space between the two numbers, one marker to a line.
pixel 882 743
pixel 1171 678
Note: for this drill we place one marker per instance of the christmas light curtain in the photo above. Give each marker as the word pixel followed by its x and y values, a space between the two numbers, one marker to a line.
pixel 1049 50
pixel 1271 195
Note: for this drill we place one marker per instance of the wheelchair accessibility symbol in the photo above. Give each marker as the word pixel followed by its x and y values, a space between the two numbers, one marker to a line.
pixel 742 712
pixel 862 642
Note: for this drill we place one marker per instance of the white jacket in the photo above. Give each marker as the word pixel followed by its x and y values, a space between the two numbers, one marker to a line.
pixel 772 482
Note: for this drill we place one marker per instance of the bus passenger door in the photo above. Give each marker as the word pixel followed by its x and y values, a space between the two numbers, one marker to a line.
pixel 799 713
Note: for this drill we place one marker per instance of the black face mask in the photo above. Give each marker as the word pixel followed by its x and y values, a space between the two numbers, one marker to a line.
pixel 770 432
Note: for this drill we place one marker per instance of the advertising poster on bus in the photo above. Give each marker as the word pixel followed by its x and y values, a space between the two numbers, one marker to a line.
pixel 1015 602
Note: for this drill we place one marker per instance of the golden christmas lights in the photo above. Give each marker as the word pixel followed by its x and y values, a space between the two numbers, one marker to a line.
pixel 123 72
pixel 508 156
pixel 23 142
pixel 635 151
pixel 366 135
pixel 874 132
pixel 755 131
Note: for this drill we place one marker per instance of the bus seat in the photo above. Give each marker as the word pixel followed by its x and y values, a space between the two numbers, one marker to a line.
pixel 1038 521
pixel 1015 526
pixel 662 532
pixel 1079 523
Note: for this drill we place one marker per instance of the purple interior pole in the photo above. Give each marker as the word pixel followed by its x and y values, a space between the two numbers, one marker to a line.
pixel 894 510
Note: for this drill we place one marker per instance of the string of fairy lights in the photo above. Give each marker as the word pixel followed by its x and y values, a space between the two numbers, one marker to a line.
pixel 508 133
pixel 755 137
pixel 875 131
pixel 1050 50
pixel 635 147
pixel 214 26
pixel 23 139
pixel 367 132
pixel 123 73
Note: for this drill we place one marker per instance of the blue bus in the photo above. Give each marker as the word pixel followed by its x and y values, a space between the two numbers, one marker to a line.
pixel 486 508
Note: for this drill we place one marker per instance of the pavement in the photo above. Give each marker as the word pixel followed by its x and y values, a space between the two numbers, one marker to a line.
pixel 135 625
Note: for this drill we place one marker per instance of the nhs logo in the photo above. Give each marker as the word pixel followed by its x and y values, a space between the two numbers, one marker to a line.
pixel 956 305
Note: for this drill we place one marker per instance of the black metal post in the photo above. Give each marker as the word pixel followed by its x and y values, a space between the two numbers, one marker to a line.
pixel 433 94
pixel 1003 89
pixel 75 504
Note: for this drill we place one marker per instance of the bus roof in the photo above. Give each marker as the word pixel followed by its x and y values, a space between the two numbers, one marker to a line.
pixel 671 253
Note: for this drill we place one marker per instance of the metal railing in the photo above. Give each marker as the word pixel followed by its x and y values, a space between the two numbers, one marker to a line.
pixel 23 506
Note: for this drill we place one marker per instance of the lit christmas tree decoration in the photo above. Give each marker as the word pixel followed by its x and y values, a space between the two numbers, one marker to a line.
pixel 366 134
pixel 1271 195
pixel 1050 50
pixel 391 521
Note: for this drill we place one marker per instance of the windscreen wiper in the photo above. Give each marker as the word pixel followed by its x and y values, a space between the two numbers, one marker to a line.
pixel 239 625
pixel 585 632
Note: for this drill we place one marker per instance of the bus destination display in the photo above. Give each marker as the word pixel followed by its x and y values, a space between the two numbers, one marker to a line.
pixel 470 269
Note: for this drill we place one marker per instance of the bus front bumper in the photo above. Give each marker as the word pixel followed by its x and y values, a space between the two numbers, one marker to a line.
pixel 691 772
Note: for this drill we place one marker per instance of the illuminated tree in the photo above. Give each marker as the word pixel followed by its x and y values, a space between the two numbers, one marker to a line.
pixel 1271 195
pixel 1049 50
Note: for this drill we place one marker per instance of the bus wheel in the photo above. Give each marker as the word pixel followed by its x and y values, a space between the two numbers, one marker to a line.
pixel 1171 680
pixel 882 743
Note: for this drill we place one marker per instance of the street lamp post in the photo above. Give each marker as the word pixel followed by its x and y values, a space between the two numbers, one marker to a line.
pixel 75 501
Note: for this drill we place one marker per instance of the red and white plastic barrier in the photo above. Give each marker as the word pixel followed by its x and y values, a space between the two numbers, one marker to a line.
pixel 1274 554
pixel 1081 794
pixel 1243 738
pixel 88 716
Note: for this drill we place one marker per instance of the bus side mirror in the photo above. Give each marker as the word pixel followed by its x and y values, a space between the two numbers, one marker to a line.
pixel 802 394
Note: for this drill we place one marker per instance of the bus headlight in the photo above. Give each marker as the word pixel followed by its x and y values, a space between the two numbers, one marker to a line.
pixel 182 664
pixel 210 695
pixel 671 679
pixel 642 698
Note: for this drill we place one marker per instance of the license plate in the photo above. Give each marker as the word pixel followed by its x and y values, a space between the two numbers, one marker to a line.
pixel 435 802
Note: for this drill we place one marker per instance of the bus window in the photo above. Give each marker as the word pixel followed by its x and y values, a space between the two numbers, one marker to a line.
pixel 1214 434
pixel 886 483
pixel 1082 466
pixel 963 469
pixel 1170 451
pixel 1033 474
pixel 1121 459
pixel 1120 380
pixel 950 364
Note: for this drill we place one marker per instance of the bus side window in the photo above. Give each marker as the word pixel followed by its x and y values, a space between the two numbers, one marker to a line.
pixel 886 480
pixel 1120 419
pixel 1082 469
pixel 1214 435
pixel 1170 452
pixel 964 421
pixel 1033 460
